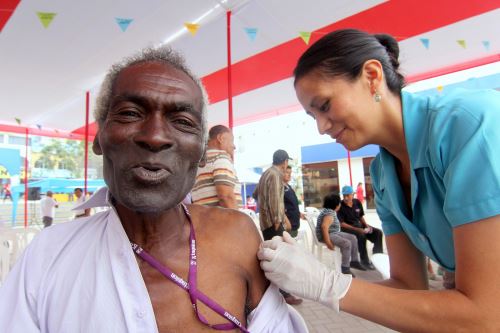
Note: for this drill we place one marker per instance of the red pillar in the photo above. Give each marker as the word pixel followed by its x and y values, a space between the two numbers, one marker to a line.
pixel 26 181
pixel 229 78
pixel 86 157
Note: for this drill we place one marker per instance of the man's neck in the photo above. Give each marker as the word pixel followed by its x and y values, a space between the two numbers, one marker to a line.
pixel 151 231
pixel 348 202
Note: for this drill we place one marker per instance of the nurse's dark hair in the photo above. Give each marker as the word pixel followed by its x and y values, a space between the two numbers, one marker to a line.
pixel 331 201
pixel 343 53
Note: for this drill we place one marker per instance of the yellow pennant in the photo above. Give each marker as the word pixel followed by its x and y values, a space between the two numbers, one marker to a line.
pixel 461 42
pixel 439 88
pixel 46 18
pixel 306 36
pixel 192 27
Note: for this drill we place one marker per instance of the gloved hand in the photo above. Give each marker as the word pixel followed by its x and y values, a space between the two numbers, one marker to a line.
pixel 298 272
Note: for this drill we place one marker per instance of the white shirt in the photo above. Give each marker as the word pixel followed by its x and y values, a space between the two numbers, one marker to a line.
pixel 82 276
pixel 78 202
pixel 47 205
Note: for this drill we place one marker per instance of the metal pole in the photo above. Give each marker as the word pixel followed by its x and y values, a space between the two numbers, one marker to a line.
pixel 229 77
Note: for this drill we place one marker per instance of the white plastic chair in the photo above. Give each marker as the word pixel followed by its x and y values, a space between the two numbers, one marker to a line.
pixel 317 247
pixel 254 218
pixel 7 243
pixel 382 264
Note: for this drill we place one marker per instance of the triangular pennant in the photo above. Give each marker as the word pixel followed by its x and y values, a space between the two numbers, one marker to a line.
pixel 439 88
pixel 123 22
pixel 56 131
pixel 461 42
pixel 425 41
pixel 251 33
pixel 18 121
pixel 486 44
pixel 39 126
pixel 46 18
pixel 192 27
pixel 306 36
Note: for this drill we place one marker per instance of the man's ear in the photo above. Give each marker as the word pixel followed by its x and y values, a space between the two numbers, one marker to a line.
pixel 96 146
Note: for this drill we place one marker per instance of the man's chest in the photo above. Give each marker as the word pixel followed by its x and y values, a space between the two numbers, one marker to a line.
pixel 173 307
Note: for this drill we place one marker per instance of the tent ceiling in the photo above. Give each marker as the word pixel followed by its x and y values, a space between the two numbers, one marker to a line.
pixel 45 72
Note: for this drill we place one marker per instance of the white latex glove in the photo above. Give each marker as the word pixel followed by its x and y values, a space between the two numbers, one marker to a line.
pixel 298 272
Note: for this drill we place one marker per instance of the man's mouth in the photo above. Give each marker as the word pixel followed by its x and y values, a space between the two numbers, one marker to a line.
pixel 151 174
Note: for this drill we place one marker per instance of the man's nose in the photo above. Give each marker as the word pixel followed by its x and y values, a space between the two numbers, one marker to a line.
pixel 155 133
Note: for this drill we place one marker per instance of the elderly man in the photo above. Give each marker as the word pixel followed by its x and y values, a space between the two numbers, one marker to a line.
pixel 186 268
pixel 216 182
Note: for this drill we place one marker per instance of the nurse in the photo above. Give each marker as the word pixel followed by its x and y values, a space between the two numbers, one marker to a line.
pixel 436 183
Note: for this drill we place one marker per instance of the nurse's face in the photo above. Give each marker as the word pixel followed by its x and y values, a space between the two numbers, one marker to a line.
pixel 340 107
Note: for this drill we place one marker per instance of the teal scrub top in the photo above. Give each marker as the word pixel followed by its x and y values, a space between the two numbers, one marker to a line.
pixel 453 143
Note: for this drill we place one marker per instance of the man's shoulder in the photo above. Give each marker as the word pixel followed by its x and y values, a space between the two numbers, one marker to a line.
pixel 229 225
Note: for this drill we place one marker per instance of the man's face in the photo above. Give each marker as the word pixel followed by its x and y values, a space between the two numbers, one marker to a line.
pixel 151 139
pixel 288 175
pixel 227 143
pixel 348 197
pixel 78 193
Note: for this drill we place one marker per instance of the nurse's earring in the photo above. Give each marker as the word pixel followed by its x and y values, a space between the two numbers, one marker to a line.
pixel 376 97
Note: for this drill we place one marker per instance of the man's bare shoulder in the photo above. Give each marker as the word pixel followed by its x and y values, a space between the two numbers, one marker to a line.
pixel 231 236
pixel 229 223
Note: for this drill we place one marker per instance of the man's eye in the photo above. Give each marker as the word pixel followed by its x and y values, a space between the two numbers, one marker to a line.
pixel 184 122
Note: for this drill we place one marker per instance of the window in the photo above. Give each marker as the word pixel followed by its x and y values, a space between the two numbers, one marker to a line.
pixel 18 140
pixel 319 179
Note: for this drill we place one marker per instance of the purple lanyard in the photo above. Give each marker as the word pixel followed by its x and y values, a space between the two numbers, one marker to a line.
pixel 190 286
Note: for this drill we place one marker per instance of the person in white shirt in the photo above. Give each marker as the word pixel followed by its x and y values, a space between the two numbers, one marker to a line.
pixel 80 198
pixel 147 263
pixel 48 206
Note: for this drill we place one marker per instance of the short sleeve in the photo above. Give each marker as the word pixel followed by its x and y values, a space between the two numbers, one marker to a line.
pixel 223 171
pixel 390 224
pixel 467 140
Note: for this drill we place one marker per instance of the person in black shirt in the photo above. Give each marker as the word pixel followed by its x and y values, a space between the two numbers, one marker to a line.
pixel 351 217
pixel 292 210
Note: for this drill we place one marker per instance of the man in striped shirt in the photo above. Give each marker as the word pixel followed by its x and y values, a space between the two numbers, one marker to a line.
pixel 216 182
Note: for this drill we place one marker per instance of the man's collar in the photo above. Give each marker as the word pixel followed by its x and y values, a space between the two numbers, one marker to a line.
pixel 100 198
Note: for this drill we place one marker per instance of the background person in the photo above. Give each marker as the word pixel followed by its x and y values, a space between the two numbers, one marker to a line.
pixel 328 232
pixel 270 197
pixel 351 215
pixel 48 206
pixel 360 193
pixel 425 196
pixel 80 199
pixel 216 181
pixel 292 210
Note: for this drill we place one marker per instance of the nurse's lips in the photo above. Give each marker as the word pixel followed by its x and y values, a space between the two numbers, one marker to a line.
pixel 151 174
pixel 338 135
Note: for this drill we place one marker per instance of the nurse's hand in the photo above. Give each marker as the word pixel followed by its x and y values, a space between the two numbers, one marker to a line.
pixel 298 272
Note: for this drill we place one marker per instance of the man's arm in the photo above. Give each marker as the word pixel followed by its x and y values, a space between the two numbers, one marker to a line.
pixel 471 307
pixel 226 196
pixel 327 221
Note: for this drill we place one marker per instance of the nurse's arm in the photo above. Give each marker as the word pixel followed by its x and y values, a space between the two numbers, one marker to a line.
pixel 472 307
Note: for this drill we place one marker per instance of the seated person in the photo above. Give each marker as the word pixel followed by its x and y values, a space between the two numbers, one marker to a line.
pixel 328 232
pixel 145 264
pixel 352 221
